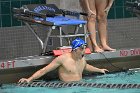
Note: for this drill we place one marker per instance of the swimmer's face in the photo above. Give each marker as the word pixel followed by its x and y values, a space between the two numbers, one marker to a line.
pixel 81 49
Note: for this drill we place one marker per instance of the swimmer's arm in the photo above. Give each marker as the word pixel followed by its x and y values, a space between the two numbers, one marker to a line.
pixel 87 4
pixel 109 6
pixel 53 65
pixel 88 7
pixel 110 3
pixel 91 68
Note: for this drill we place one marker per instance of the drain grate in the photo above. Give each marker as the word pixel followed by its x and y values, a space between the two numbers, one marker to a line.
pixel 79 84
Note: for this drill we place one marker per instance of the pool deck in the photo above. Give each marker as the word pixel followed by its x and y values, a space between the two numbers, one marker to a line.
pixel 12 70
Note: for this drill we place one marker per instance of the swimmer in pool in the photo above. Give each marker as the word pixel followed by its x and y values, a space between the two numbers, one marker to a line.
pixel 71 65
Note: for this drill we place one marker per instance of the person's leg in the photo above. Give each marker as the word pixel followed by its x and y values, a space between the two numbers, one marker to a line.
pixel 102 23
pixel 85 9
pixel 91 20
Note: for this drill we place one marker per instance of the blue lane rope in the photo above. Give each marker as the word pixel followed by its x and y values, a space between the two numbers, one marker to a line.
pixel 78 84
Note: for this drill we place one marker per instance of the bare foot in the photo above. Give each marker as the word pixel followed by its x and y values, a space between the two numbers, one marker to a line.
pixel 107 48
pixel 98 49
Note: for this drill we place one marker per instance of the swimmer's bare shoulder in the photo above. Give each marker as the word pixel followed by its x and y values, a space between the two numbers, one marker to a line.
pixel 62 58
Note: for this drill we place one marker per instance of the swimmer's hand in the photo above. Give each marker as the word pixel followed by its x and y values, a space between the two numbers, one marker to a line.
pixel 23 80
pixel 103 71
pixel 90 12
pixel 107 9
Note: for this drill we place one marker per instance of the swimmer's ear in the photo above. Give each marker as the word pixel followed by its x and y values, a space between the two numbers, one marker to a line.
pixel 75 50
pixel 83 55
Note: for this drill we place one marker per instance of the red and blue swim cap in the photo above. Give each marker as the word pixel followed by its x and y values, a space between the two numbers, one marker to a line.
pixel 77 43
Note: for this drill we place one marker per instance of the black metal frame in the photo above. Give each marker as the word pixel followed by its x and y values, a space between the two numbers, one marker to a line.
pixel 28 16
pixel 134 7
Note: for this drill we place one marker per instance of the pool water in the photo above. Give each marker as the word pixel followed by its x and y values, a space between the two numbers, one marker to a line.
pixel 121 77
